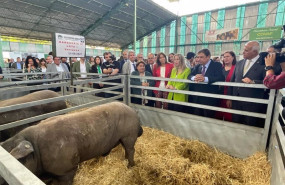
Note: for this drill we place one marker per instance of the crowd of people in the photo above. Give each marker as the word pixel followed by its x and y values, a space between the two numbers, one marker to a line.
pixel 204 70
pixel 199 68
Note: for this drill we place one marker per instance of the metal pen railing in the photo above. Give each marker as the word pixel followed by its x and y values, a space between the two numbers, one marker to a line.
pixel 269 102
pixel 5 168
pixel 276 151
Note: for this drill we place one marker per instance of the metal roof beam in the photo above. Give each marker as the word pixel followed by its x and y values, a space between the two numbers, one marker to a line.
pixel 57 11
pixel 141 36
pixel 104 17
pixel 26 21
pixel 41 18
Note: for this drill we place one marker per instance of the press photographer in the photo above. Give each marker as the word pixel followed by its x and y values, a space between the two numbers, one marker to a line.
pixel 271 80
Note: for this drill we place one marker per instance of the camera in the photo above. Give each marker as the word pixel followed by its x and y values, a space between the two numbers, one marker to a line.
pixel 280 57
pixel 113 57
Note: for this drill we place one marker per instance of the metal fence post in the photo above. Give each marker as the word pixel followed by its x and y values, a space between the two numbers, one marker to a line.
pixel 269 112
pixel 125 79
pixel 275 117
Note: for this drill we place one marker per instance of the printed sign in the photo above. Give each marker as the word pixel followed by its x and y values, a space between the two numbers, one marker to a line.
pixel 222 34
pixel 269 33
pixel 65 45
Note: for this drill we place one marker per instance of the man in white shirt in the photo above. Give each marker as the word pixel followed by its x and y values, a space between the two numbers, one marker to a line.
pixel 57 67
pixel 250 70
pixel 208 72
pixel 130 66
pixel 82 67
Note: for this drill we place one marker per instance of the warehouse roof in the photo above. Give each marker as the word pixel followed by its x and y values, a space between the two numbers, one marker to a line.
pixel 106 23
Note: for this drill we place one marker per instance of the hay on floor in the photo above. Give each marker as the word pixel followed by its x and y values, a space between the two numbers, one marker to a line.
pixel 162 158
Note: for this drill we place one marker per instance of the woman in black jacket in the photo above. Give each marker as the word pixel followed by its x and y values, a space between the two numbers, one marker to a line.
pixel 97 68
pixel 142 82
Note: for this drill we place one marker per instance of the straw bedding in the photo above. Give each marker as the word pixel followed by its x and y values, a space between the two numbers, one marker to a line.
pixel 162 158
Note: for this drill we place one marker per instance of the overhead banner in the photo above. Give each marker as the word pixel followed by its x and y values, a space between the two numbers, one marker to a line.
pixel 221 34
pixel 268 33
pixel 65 45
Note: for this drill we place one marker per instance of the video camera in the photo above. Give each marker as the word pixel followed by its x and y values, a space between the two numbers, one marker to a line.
pixel 113 57
pixel 280 57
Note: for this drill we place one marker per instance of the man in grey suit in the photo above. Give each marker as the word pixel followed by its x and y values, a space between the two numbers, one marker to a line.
pixel 57 67
pixel 130 65
pixel 250 70
pixel 18 64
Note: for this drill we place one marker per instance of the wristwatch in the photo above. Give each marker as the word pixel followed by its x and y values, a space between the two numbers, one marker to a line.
pixel 268 68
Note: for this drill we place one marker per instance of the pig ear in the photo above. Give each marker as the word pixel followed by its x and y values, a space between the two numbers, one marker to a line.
pixel 23 149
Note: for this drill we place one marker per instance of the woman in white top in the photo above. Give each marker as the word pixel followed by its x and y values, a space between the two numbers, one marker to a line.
pixel 43 66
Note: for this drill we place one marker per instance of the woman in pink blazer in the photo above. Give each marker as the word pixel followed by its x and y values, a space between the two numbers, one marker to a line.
pixel 161 69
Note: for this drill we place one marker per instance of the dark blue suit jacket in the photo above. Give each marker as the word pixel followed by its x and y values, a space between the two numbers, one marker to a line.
pixel 214 74
pixel 122 62
pixel 255 73
pixel 148 68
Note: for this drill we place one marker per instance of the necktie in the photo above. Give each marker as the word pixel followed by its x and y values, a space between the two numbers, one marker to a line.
pixel 246 66
pixel 134 66
pixel 203 70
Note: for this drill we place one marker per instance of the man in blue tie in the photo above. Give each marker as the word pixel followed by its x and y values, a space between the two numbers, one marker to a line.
pixel 206 72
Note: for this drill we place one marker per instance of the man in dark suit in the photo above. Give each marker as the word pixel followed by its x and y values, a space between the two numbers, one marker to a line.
pixel 124 60
pixel 208 72
pixel 150 63
pixel 250 71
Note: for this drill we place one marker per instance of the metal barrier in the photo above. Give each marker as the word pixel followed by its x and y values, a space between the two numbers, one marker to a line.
pixel 11 169
pixel 276 151
pixel 233 138
pixel 29 85
pixel 236 139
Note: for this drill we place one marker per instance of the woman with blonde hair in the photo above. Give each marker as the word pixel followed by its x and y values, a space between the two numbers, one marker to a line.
pixel 180 71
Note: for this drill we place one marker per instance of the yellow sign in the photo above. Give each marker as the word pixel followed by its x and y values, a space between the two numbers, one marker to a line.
pixel 23 40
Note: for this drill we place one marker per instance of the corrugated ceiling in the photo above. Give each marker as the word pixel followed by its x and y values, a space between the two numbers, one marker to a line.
pixel 106 23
